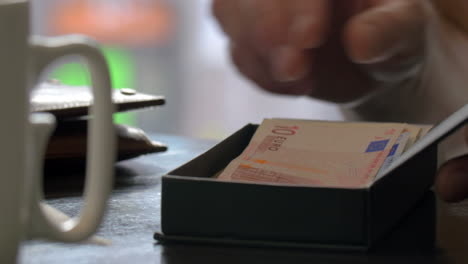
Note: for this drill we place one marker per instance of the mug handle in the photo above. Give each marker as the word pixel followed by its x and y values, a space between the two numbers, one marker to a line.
pixel 100 144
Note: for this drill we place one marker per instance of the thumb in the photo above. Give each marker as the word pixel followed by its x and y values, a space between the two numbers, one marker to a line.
pixel 452 180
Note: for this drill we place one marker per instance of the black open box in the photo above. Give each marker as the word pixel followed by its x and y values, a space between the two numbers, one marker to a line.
pixel 197 207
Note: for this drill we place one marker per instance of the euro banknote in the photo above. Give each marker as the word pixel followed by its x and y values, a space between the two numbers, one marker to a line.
pixel 320 153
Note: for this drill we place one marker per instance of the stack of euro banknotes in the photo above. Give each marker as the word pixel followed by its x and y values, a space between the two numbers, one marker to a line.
pixel 321 153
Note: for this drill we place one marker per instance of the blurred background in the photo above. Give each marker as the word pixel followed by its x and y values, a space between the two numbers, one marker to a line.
pixel 172 48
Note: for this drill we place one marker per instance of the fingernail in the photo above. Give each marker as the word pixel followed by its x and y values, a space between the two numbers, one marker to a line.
pixel 305 32
pixel 287 64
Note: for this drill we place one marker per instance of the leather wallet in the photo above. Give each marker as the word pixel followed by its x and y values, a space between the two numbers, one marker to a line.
pixel 70 104
pixel 73 101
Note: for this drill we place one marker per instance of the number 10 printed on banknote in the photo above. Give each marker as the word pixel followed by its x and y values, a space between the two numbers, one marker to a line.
pixel 320 153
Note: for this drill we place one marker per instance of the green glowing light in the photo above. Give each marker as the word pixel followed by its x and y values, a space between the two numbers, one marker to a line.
pixel 121 68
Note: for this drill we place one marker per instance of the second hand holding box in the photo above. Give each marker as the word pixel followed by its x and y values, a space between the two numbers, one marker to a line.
pixel 197 206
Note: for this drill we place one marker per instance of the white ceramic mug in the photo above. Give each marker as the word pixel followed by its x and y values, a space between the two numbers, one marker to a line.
pixel 23 136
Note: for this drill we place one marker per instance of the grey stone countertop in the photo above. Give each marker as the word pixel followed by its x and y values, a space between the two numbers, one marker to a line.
pixel 134 214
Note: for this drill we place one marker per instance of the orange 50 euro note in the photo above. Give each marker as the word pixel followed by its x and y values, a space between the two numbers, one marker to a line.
pixel 333 154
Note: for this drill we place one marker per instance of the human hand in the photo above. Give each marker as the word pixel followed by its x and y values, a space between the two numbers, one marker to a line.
pixel 342 50
pixel 452 180
pixel 452 177
pixel 337 51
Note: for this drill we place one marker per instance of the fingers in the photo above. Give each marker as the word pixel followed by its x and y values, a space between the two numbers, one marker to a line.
pixel 294 41
pixel 257 69
pixel 307 28
pixel 388 29
pixel 260 23
pixel 452 180
pixel 223 10
pixel 270 23
pixel 265 23
pixel 277 31
pixel 250 65
pixel 289 64
pixel 310 23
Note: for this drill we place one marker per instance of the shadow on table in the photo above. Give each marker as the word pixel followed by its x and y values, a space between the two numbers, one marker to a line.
pixel 66 179
pixel 413 241
pixel 65 182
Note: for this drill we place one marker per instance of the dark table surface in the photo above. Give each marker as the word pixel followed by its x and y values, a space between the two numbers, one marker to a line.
pixel 134 214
